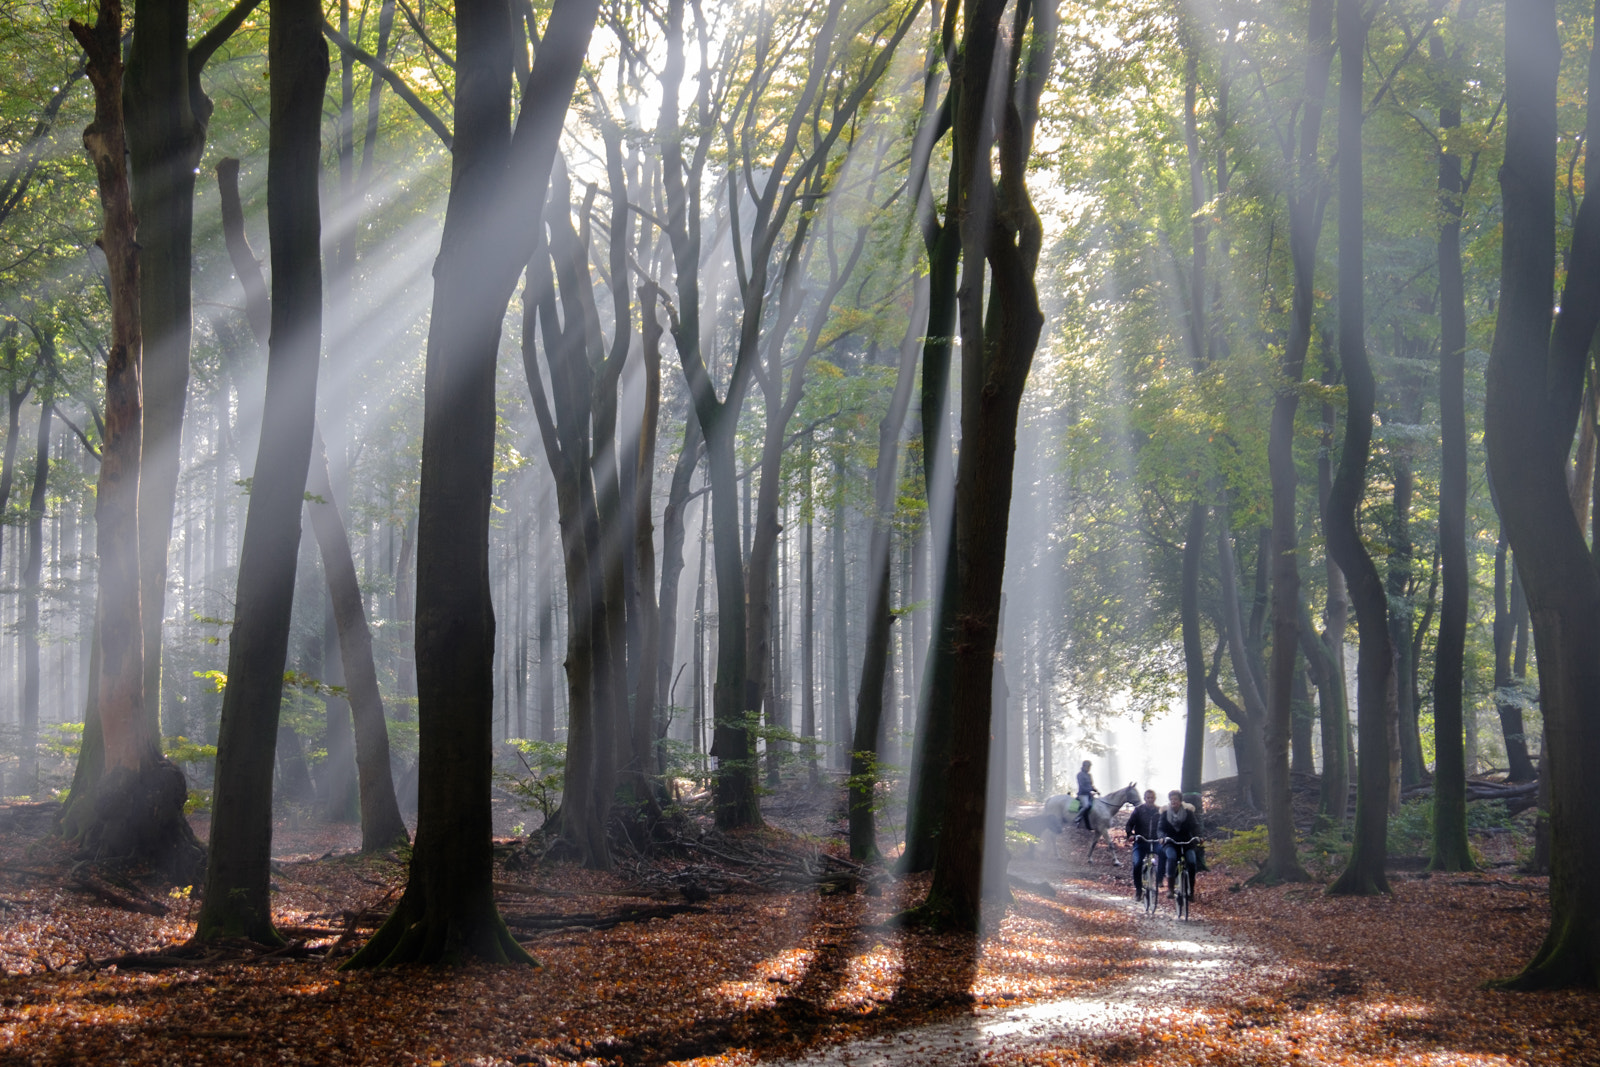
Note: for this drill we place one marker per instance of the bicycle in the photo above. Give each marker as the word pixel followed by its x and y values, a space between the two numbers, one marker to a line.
pixel 1147 876
pixel 1183 883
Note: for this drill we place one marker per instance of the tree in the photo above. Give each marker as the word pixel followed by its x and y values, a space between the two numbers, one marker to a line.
pixel 135 809
pixel 168 114
pixel 1535 382
pixel 1450 849
pixel 447 913
pixel 237 899
pixel 381 824
pixel 1000 242
pixel 1375 670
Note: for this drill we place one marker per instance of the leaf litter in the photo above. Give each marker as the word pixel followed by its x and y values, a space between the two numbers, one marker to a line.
pixel 751 974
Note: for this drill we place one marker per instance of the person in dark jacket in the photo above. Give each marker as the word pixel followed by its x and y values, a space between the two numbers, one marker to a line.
pixel 1178 823
pixel 1141 829
pixel 1086 795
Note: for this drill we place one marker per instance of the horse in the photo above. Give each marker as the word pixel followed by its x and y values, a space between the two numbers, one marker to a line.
pixel 1100 815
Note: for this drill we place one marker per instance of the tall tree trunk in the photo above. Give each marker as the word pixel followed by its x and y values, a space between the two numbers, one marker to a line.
pixel 1375 668
pixel 1305 225
pixel 1400 580
pixel 490 234
pixel 1248 741
pixel 381 824
pixel 864 771
pixel 999 230
pixel 237 900
pixel 1507 601
pixel 167 117
pixel 1535 380
pixel 1194 653
pixel 839 619
pixel 135 809
pixel 28 741
pixel 808 615
pixel 672 541
pixel 1333 802
pixel 1450 848
pixel 647 697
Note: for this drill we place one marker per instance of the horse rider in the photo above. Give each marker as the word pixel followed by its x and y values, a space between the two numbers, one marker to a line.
pixel 1086 794
pixel 1178 822
pixel 1141 828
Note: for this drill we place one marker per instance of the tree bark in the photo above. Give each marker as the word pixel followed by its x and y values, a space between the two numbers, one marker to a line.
pixel 238 897
pixel 1535 380
pixel 28 741
pixel 167 115
pixel 1333 802
pixel 448 913
pixel 1375 669
pixel 999 231
pixel 864 749
pixel 1507 600
pixel 135 809
pixel 1450 848
pixel 381 824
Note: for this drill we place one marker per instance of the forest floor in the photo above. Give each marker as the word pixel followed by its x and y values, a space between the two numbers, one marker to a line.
pixel 1074 973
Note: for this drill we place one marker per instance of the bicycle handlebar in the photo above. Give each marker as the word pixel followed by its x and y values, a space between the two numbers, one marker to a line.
pixel 1182 844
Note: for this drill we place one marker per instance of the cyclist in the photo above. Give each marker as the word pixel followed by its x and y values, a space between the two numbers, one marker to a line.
pixel 1141 829
pixel 1178 823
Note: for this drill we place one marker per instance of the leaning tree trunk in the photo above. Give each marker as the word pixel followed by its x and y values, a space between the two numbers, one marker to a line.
pixel 1375 668
pixel 1535 379
pixel 875 659
pixel 381 823
pixel 136 808
pixel 1450 849
pixel 238 895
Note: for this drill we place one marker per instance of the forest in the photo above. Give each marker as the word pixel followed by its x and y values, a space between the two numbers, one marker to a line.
pixel 544 531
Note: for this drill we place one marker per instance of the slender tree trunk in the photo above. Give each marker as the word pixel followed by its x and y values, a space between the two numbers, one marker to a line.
pixel 808 615
pixel 1506 601
pixel 874 663
pixel 1402 610
pixel 1248 741
pixel 28 741
pixel 237 900
pixel 1450 848
pixel 1334 714
pixel 381 824
pixel 672 542
pixel 647 696
pixel 1194 654
pixel 1375 671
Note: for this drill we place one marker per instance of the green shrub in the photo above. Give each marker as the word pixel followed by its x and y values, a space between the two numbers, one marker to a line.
pixel 1244 847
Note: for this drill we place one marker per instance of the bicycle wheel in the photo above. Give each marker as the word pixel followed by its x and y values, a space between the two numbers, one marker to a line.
pixel 1182 895
pixel 1148 877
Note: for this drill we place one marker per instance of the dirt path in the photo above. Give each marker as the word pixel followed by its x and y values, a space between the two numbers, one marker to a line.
pixel 1180 967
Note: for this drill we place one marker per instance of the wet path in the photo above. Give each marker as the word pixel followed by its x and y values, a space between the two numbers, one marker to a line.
pixel 1180 967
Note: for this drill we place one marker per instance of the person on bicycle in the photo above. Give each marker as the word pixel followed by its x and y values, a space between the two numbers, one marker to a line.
pixel 1086 795
pixel 1178 823
pixel 1141 829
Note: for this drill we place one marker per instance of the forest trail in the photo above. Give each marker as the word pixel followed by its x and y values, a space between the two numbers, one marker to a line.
pixel 1180 966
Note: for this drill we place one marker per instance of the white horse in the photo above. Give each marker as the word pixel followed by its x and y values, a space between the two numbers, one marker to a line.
pixel 1100 816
